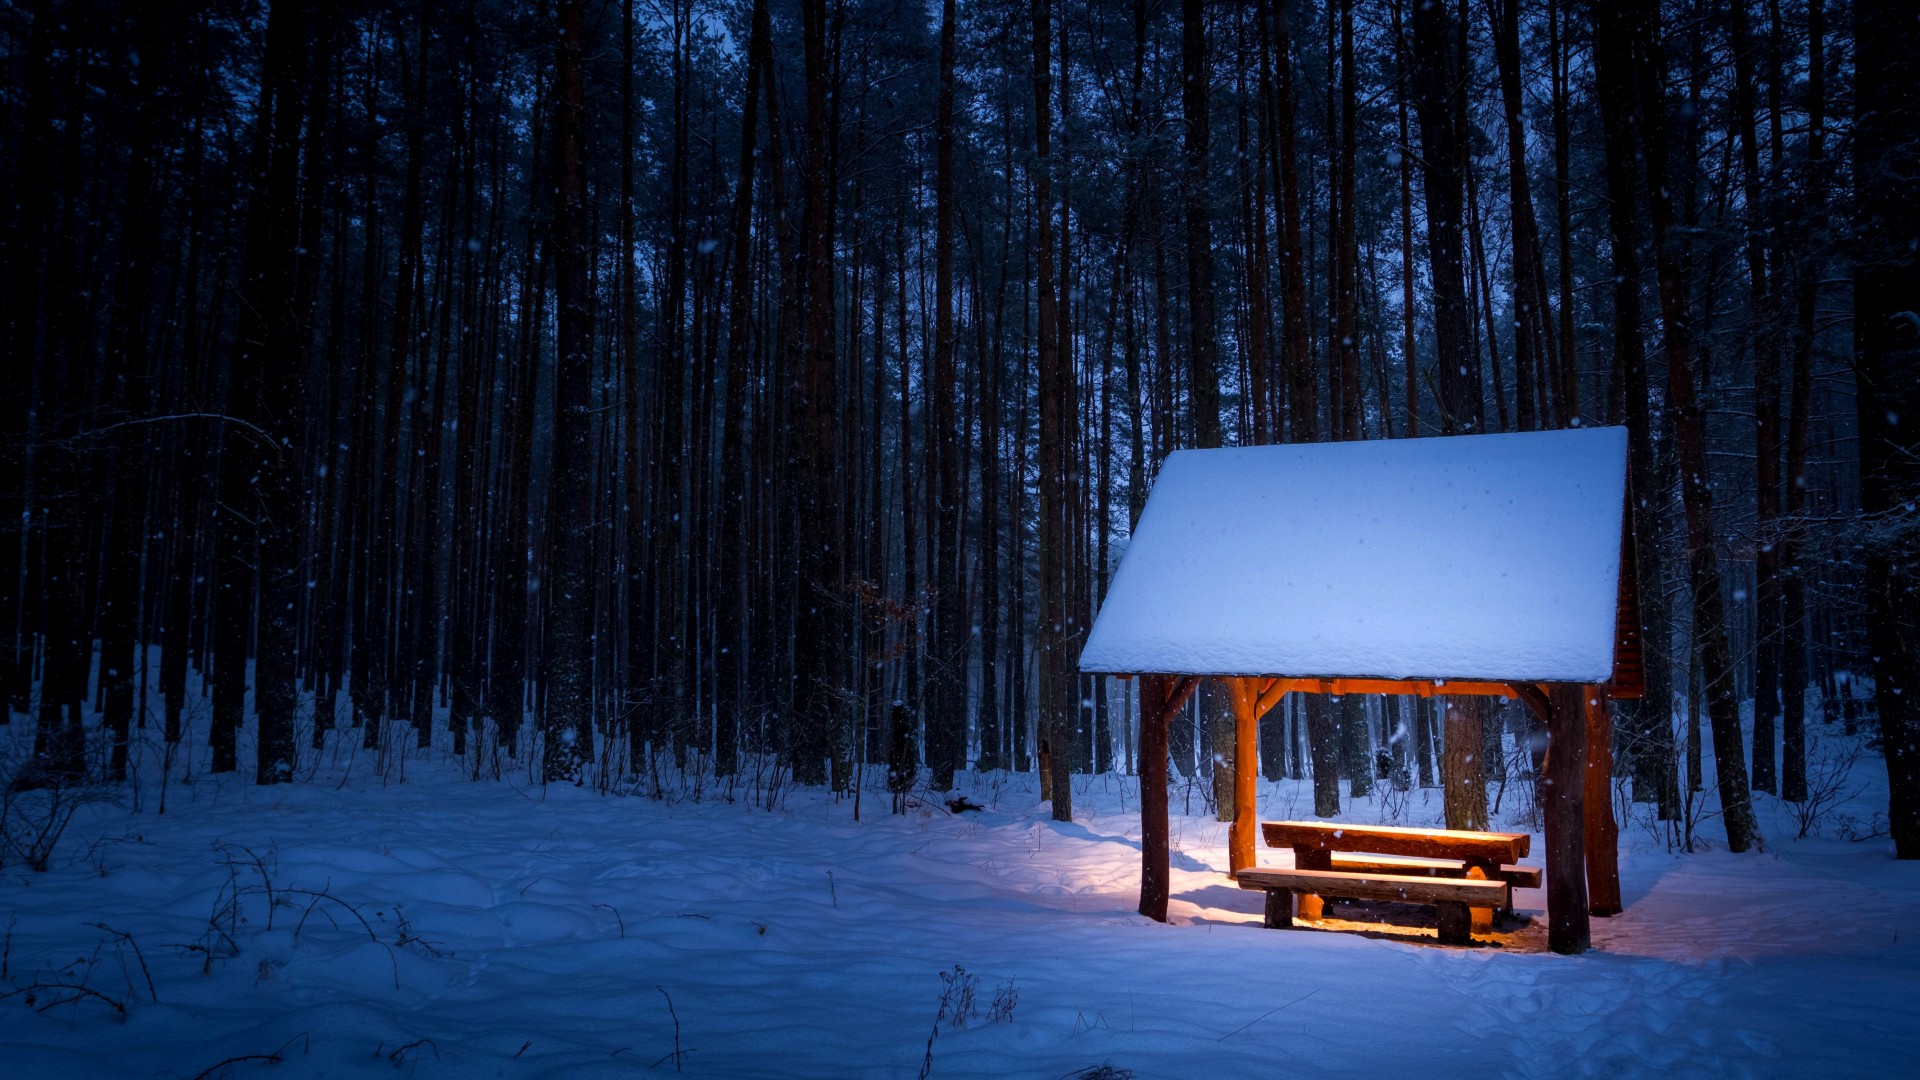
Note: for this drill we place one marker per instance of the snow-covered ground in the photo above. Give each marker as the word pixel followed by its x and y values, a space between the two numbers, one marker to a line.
pixel 459 929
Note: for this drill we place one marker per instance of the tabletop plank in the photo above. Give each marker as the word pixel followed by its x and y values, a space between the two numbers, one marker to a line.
pixel 1329 836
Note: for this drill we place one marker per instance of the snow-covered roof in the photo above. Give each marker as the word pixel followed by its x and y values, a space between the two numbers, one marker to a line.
pixel 1476 557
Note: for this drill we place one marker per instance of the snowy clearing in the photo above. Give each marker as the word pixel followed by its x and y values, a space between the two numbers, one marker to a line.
pixel 510 931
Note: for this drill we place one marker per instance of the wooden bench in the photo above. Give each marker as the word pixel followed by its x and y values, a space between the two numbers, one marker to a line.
pixel 1452 898
pixel 1486 859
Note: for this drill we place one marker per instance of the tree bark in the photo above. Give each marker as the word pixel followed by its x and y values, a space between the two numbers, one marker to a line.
pixel 268 378
pixel 730 592
pixel 1795 628
pixel 1463 778
pixel 1303 410
pixel 1641 22
pixel 947 686
pixel 568 721
pixel 813 484
pixel 1531 317
pixel 1886 345
pixel 1564 801
pixel 1056 683
pixel 1649 741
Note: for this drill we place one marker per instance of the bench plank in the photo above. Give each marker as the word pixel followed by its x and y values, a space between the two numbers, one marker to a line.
pixel 1419 890
pixel 1520 877
pixel 1388 840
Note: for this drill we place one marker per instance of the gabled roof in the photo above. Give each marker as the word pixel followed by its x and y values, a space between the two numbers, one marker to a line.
pixel 1480 557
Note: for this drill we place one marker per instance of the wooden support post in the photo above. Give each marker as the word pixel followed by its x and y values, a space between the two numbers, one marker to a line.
pixel 1482 917
pixel 1246 720
pixel 1306 858
pixel 1489 870
pixel 1156 873
pixel 1279 909
pixel 1455 923
pixel 1603 832
pixel 1563 798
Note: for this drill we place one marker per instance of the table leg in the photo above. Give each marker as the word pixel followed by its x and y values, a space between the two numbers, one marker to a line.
pixel 1311 858
pixel 1455 923
pixel 1490 871
pixel 1279 909
pixel 1480 917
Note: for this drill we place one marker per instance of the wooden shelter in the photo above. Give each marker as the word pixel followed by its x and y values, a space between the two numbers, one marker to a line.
pixel 1471 565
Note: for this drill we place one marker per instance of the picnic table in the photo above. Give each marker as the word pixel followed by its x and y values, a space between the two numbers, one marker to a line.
pixel 1467 876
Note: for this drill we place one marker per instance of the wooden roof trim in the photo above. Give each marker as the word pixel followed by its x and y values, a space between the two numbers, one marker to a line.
pixel 1271 688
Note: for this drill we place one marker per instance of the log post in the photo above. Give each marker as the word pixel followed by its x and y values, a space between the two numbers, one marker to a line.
pixel 1156 874
pixel 1279 915
pixel 1246 720
pixel 1563 798
pixel 1482 916
pixel 1603 832
pixel 1312 906
pixel 1455 922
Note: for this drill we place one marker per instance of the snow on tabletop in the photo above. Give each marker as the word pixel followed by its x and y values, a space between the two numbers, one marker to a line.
pixel 1473 557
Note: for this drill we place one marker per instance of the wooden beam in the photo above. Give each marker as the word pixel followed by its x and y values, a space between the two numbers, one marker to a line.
pixel 1156 873
pixel 1563 795
pixel 1246 721
pixel 1270 694
pixel 1603 832
pixel 1535 696
pixel 1183 687
pixel 1417 687
pixel 1277 685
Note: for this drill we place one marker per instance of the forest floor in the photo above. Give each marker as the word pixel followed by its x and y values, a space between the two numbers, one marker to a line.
pixel 358 922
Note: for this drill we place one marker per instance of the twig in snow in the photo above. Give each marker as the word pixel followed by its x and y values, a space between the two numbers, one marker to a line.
pixel 138 955
pixel 1266 1014
pixel 319 895
pixel 78 991
pixel 833 893
pixel 926 1063
pixel 274 1058
pixel 414 1045
pixel 678 1055
pixel 616 918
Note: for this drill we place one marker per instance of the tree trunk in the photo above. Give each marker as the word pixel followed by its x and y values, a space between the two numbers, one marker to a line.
pixel 1564 803
pixel 730 587
pixel 1565 384
pixel 1887 353
pixel 1463 779
pixel 261 475
pixel 820 628
pixel 1766 394
pixel 568 721
pixel 1639 25
pixel 947 686
pixel 1529 301
pixel 1303 410
pixel 1795 628
pixel 1408 345
pixel 1057 708
pixel 1649 722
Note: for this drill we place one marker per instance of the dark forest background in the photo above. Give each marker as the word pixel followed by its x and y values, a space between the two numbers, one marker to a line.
pixel 649 388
